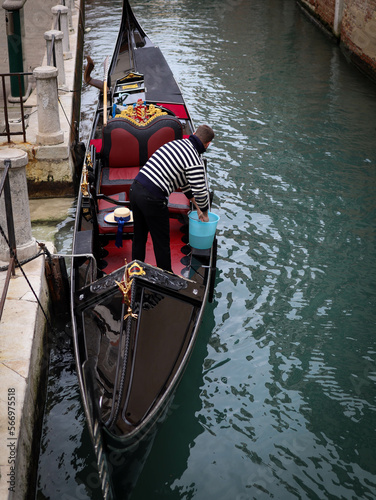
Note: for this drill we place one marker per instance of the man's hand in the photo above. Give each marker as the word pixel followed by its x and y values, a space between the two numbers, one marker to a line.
pixel 203 216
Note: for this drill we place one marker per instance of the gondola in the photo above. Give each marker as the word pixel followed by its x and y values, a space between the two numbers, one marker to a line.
pixel 134 324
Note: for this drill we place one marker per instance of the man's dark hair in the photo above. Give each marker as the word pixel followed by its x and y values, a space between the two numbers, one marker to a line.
pixel 205 133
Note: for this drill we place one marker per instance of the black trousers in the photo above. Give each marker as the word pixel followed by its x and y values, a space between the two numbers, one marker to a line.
pixel 150 214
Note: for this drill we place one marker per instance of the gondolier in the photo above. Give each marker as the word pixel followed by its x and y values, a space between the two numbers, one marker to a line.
pixel 176 165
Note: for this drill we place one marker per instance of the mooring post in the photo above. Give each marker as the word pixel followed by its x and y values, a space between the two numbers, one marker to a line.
pixel 14 30
pixel 55 57
pixel 57 281
pixel 61 13
pixel 25 243
pixel 70 5
pixel 49 131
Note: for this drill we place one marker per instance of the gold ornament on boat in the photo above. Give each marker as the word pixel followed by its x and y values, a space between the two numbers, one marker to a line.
pixel 89 161
pixel 125 286
pixel 140 113
pixel 132 75
pixel 129 86
pixel 84 181
pixel 136 270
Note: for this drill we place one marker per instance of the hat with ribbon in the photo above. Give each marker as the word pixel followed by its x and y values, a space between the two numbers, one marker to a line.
pixel 119 216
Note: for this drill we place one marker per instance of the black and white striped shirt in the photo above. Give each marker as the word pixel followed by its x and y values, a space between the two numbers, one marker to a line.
pixel 176 165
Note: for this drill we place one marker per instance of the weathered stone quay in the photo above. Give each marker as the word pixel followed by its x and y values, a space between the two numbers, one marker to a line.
pixel 41 167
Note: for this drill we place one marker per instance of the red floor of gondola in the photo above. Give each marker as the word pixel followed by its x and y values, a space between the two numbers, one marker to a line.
pixel 178 244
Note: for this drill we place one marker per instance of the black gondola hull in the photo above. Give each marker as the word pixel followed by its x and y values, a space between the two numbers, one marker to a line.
pixel 134 325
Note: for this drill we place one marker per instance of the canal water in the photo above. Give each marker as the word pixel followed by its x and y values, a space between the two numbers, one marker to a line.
pixel 279 400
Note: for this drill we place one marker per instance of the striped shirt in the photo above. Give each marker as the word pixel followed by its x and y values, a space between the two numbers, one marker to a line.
pixel 176 165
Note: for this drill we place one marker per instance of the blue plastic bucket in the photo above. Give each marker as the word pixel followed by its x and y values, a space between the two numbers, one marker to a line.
pixel 201 234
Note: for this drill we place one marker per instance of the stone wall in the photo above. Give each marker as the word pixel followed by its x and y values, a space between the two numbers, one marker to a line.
pixel 358 33
pixel 353 23
pixel 323 9
pixel 37 18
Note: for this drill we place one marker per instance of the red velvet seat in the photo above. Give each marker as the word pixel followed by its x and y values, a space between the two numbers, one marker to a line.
pixel 179 110
pixel 109 205
pixel 178 203
pixel 127 146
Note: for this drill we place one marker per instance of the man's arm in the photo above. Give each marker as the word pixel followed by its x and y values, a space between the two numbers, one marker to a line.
pixel 203 216
pixel 199 194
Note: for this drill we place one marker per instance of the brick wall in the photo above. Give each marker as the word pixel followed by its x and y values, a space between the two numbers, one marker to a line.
pixel 325 10
pixel 321 9
pixel 357 28
pixel 358 33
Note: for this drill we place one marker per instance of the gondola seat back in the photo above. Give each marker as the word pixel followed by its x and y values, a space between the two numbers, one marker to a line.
pixel 127 146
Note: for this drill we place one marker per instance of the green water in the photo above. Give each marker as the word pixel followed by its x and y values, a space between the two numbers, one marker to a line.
pixel 279 399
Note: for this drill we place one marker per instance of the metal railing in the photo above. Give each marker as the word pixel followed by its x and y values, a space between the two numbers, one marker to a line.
pixel 5 187
pixel 8 131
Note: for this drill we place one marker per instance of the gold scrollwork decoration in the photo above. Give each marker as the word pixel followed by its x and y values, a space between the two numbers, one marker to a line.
pixel 84 182
pixel 140 113
pixel 125 286
pixel 89 161
pixel 136 270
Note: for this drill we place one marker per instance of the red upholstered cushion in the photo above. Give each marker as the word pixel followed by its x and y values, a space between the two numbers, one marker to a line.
pixel 160 137
pixel 126 147
pixel 120 174
pixel 116 180
pixel 178 109
pixel 105 204
pixel 97 143
pixel 124 150
pixel 178 203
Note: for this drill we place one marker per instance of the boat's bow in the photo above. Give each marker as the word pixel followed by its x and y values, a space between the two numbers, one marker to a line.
pixel 137 325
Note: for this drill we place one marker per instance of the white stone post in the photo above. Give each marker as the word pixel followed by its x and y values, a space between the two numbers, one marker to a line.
pixel 62 11
pixel 70 5
pixel 49 131
pixel 25 244
pixel 57 36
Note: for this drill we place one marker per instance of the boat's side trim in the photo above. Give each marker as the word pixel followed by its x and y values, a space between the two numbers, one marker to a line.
pixel 96 428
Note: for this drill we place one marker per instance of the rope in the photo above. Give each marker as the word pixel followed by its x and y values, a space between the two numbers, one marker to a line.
pixel 69 123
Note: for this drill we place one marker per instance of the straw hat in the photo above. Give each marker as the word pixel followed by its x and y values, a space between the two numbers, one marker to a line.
pixel 119 213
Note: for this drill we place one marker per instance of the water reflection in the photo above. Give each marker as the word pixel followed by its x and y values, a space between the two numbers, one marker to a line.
pixel 164 465
pixel 279 400
pixel 67 467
